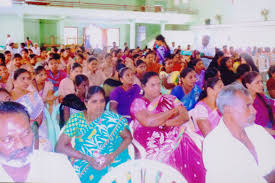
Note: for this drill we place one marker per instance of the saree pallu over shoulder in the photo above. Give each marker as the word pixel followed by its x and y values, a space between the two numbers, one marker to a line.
pixel 35 106
pixel 33 102
pixel 170 145
pixel 99 137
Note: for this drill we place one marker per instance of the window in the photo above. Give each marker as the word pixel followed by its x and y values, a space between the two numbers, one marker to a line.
pixel 113 36
pixel 141 35
pixel 70 35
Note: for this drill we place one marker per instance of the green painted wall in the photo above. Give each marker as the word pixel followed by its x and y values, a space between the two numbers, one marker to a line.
pixel 32 30
pixel 13 25
pixel 152 30
pixel 239 11
pixel 48 32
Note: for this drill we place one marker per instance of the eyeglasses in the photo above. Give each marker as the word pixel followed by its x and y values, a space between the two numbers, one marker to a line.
pixel 12 139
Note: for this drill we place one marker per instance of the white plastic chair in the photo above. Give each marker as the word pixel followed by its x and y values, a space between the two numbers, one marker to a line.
pixel 143 171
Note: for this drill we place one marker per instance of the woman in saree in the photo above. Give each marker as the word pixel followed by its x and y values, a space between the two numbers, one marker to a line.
pixel 45 90
pixel 122 96
pixel 205 115
pixel 264 105
pixel 35 106
pixel 199 69
pixel 157 126
pixel 101 138
pixel 187 91
pixel 161 48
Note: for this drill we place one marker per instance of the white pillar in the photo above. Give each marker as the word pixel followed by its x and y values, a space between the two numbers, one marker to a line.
pixel 20 26
pixel 60 30
pixel 162 28
pixel 132 35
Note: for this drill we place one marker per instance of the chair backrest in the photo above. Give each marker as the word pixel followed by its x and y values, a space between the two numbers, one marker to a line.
pixel 143 171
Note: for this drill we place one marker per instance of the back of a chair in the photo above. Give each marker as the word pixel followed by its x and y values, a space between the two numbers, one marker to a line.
pixel 143 171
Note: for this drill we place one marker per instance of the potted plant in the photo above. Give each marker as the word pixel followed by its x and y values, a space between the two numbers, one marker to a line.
pixel 265 13
pixel 207 21
pixel 219 18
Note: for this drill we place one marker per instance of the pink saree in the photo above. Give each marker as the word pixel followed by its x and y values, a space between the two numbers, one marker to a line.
pixel 170 145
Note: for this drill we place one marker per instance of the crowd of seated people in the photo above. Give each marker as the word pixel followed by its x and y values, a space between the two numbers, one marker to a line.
pixel 185 108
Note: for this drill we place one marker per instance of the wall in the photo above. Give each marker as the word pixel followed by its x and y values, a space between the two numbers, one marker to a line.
pixel 13 25
pixel 232 11
pixel 32 30
pixel 48 31
pixel 152 30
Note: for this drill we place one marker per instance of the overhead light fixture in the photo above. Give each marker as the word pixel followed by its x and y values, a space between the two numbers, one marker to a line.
pixel 5 3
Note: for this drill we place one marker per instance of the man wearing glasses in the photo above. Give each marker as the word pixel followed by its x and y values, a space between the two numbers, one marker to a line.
pixel 19 162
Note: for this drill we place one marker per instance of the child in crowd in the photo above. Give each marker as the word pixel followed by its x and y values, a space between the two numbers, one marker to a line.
pixel 54 74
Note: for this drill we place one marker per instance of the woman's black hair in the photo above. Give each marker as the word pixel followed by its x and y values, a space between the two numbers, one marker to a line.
pixel 75 65
pixel 242 69
pixel 94 90
pixel 38 69
pixel 214 62
pixel 25 50
pixel 148 53
pixel 119 66
pixel 185 71
pixel 119 61
pixel 193 63
pixel 32 56
pixel 209 83
pixel 135 56
pixel 18 72
pixel 2 58
pixel 55 56
pixel 62 50
pixel 42 49
pixel 17 55
pixel 210 73
pixel 92 59
pixel 4 90
pixel 80 55
pixel 271 71
pixel 169 57
pixel 22 44
pixel 80 78
pixel 139 62
pixel 249 78
pixel 122 71
pixel 223 63
pixel 71 101
pixel 145 78
pixel 162 38
pixel 249 61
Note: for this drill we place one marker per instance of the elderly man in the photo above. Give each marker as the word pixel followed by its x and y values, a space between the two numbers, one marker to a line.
pixel 238 150
pixel 207 51
pixel 36 49
pixel 18 161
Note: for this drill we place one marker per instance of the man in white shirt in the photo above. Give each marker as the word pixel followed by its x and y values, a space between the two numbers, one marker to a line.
pixel 237 150
pixel 19 162
pixel 9 40
pixel 172 48
pixel 208 52
pixel 12 49
pixel 36 49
